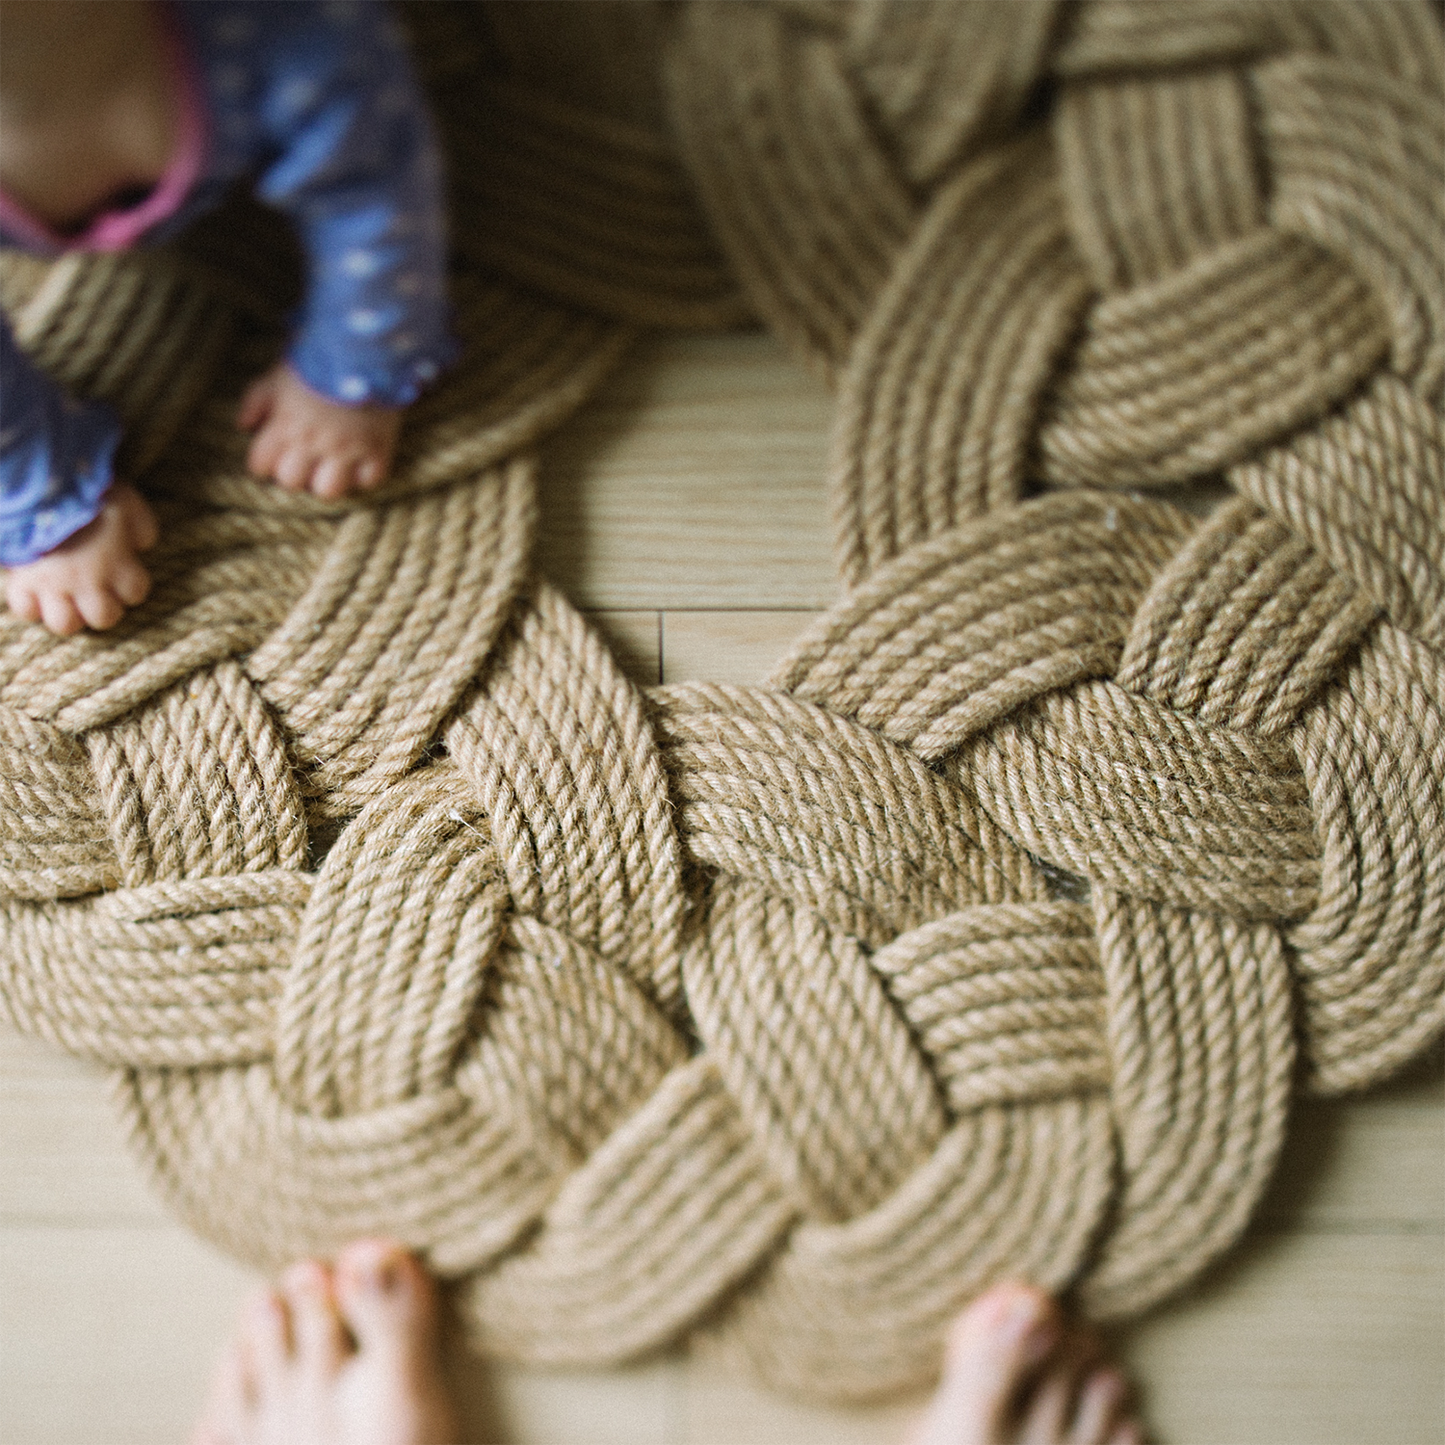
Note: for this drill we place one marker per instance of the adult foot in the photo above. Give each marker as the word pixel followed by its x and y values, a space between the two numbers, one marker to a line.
pixel 336 1355
pixel 1016 1374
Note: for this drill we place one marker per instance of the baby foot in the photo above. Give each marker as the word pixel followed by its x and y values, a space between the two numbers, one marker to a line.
pixel 342 1355
pixel 1015 1374
pixel 94 575
pixel 310 443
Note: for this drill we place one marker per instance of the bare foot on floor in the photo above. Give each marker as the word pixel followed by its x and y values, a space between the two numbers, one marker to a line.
pixel 335 1355
pixel 1016 1374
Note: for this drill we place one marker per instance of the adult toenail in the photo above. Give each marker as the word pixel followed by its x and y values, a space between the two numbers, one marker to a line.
pixel 1038 1344
pixel 377 1269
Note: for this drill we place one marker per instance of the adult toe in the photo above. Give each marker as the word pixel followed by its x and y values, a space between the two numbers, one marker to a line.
pixel 223 1419
pixel 266 1342
pixel 1101 1401
pixel 994 1347
pixel 320 1337
pixel 1128 1432
pixel 386 1299
pixel 1005 1333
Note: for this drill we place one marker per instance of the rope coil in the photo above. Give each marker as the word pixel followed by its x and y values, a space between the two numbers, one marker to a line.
pixel 772 1012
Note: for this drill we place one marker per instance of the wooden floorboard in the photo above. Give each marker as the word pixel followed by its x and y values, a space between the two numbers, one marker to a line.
pixel 685 513
pixel 108 1331
pixel 1302 1338
pixel 731 457
pixel 734 647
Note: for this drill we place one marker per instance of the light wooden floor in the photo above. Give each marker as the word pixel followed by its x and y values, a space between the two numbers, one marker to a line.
pixel 685 508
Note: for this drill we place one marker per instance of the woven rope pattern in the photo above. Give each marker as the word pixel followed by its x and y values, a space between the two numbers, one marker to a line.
pixel 993 935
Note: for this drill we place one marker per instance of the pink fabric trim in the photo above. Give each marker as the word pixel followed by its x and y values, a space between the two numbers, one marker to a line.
pixel 119 230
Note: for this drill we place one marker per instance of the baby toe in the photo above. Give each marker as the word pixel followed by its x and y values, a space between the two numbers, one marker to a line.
pixel 264 453
pixel 142 528
pixel 58 612
pixel 23 602
pixel 294 468
pixel 100 607
pixel 132 584
pixel 334 478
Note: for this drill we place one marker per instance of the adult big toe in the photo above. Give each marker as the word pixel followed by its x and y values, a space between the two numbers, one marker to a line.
pixel 388 1303
pixel 993 1348
pixel 1015 1374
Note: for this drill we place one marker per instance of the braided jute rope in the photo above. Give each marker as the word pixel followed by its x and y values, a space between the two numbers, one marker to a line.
pixel 997 932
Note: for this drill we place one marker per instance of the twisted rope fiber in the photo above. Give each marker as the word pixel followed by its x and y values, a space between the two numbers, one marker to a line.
pixel 996 933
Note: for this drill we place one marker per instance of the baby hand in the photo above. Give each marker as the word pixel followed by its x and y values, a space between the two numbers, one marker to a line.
pixel 309 443
pixel 91 577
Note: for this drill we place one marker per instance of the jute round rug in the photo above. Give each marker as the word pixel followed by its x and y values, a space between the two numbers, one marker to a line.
pixel 997 932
